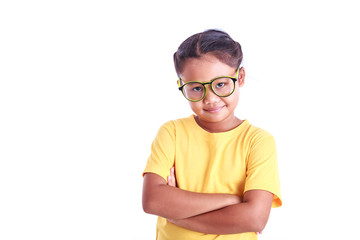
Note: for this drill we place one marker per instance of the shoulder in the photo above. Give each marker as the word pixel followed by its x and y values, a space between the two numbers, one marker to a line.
pixel 184 122
pixel 255 131
pixel 173 126
pixel 179 123
pixel 258 135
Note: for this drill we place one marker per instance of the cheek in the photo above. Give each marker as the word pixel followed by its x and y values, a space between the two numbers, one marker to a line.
pixel 194 105
pixel 233 99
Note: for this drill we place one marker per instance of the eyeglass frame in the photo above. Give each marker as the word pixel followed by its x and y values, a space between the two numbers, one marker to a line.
pixel 234 79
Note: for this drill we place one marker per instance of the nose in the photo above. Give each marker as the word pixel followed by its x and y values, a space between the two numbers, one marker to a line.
pixel 210 96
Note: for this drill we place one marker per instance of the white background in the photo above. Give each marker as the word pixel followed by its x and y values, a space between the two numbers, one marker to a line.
pixel 85 85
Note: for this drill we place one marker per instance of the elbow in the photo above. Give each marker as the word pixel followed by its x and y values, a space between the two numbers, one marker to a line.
pixel 150 203
pixel 254 222
pixel 259 226
pixel 148 206
pixel 258 223
pixel 154 207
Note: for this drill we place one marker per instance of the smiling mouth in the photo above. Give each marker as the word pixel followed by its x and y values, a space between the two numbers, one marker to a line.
pixel 214 110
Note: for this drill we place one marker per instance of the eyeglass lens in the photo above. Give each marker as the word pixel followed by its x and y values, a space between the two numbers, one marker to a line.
pixel 221 87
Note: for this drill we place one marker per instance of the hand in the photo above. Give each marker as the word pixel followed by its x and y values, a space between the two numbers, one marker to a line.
pixel 172 179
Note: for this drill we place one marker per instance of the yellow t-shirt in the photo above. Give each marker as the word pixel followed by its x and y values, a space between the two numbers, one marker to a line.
pixel 232 162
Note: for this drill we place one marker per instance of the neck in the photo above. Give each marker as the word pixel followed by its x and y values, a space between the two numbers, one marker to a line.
pixel 223 126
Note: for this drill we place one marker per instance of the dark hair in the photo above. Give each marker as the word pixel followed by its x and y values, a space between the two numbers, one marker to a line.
pixel 215 42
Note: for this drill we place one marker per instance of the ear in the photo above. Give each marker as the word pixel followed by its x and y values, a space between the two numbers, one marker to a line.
pixel 179 82
pixel 241 77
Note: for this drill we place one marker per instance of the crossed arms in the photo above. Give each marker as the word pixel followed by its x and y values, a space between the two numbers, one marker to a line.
pixel 205 212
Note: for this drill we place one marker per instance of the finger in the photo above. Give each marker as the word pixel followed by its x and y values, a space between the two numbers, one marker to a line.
pixel 173 177
pixel 173 181
pixel 169 180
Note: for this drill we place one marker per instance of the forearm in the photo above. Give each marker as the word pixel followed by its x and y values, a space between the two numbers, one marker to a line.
pixel 174 203
pixel 229 220
pixel 249 216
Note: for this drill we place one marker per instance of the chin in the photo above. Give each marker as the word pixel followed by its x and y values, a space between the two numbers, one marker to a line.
pixel 213 118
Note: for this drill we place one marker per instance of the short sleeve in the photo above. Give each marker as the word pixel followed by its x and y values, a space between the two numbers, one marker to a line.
pixel 262 168
pixel 162 155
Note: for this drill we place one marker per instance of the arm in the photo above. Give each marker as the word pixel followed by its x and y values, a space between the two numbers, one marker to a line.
pixel 174 203
pixel 249 216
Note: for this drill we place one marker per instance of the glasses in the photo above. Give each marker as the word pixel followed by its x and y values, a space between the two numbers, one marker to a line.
pixel 222 86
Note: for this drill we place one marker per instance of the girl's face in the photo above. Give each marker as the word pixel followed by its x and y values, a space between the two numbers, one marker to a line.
pixel 215 114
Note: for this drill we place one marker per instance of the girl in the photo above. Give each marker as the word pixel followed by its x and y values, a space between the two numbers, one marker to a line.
pixel 211 175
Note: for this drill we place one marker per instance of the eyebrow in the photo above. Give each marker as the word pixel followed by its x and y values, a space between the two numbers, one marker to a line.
pixel 237 72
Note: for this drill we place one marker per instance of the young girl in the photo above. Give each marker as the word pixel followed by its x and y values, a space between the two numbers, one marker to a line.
pixel 211 175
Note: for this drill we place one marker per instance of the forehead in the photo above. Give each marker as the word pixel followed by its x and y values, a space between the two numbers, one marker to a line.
pixel 204 69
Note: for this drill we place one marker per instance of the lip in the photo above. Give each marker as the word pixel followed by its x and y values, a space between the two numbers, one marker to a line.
pixel 214 109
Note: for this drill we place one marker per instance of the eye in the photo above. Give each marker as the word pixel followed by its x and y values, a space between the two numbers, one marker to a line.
pixel 220 85
pixel 197 89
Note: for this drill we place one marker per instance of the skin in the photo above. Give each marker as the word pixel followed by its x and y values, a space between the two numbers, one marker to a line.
pixel 214 113
pixel 222 220
pixel 169 202
pixel 208 213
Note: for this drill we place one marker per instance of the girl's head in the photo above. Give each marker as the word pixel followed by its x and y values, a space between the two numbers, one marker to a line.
pixel 208 66
pixel 211 42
